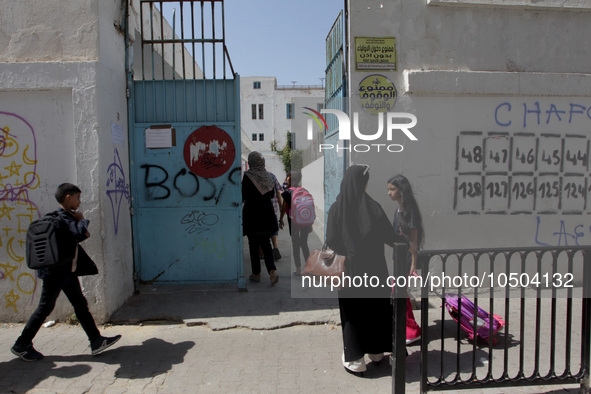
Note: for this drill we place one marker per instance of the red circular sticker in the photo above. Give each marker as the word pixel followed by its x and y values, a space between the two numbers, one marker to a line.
pixel 209 152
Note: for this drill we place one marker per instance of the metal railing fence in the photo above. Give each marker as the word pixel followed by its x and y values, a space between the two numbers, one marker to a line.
pixel 542 294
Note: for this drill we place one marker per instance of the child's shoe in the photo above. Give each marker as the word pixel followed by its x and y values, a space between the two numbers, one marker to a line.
pixel 100 344
pixel 27 353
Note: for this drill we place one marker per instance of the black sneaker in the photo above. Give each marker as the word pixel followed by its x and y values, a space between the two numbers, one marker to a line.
pixel 27 353
pixel 102 343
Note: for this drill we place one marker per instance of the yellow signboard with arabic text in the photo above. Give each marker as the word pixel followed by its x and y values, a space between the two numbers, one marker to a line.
pixel 375 53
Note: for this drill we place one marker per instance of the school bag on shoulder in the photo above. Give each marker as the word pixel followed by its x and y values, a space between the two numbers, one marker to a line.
pixel 302 210
pixel 49 242
pixel 465 318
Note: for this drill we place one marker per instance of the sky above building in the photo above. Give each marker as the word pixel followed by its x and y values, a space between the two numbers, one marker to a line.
pixel 280 38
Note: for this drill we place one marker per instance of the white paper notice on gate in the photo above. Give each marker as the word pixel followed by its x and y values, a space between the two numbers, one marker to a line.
pixel 159 138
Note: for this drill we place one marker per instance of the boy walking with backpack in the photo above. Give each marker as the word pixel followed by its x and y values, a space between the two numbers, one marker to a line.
pixel 63 278
pixel 299 206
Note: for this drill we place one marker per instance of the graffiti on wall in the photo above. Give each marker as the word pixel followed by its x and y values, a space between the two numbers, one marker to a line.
pixel 199 221
pixel 18 176
pixel 561 233
pixel 215 247
pixel 158 186
pixel 522 168
pixel 533 114
pixel 117 187
pixel 507 173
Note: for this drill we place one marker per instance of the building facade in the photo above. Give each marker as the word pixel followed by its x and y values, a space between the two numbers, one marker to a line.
pixel 63 118
pixel 499 154
pixel 268 113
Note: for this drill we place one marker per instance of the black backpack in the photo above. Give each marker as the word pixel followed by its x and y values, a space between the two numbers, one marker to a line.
pixel 50 243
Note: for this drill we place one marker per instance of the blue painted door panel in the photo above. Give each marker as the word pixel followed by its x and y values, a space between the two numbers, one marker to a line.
pixel 189 245
pixel 187 226
pixel 164 180
pixel 201 100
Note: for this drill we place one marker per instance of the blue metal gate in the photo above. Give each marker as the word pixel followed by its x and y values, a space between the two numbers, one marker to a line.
pixel 185 148
pixel 335 160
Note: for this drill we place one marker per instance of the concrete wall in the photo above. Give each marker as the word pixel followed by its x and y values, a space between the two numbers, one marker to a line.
pixel 114 202
pixel 484 78
pixel 61 96
pixel 44 31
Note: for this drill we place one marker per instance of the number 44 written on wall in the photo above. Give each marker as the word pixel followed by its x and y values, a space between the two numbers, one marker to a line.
pixel 505 173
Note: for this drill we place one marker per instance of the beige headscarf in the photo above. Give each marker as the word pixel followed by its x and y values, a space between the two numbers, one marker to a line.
pixel 261 178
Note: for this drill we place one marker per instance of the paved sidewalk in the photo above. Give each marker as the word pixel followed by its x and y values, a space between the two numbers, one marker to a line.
pixel 220 307
pixel 216 340
pixel 175 358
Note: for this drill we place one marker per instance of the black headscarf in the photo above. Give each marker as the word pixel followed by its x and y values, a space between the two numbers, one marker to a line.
pixel 353 208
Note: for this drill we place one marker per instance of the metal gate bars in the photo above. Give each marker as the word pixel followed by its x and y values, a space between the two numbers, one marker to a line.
pixel 543 296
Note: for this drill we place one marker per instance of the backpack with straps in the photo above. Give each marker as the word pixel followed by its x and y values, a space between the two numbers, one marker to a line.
pixel 302 211
pixel 50 243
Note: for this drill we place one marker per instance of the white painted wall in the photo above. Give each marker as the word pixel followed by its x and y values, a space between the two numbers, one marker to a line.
pixel 61 96
pixel 264 96
pixel 275 124
pixel 114 162
pixel 458 62
pixel 47 31
pixel 313 181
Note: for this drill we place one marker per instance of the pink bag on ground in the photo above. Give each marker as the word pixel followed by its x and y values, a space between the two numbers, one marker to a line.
pixel 466 320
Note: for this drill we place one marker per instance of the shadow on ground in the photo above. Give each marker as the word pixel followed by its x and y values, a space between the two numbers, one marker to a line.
pixel 135 362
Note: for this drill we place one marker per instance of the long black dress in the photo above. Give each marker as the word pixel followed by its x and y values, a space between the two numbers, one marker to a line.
pixel 358 227
pixel 258 214
pixel 259 222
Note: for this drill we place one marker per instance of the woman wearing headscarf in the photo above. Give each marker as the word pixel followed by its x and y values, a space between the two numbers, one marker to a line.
pixel 358 228
pixel 258 215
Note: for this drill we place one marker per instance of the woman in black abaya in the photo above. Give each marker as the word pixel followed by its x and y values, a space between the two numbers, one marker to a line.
pixel 258 216
pixel 358 228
